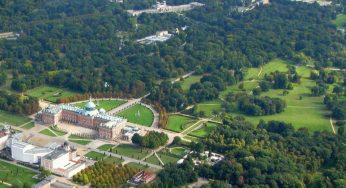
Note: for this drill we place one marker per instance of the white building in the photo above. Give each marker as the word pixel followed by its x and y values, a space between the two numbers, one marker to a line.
pixel 25 152
pixel 63 161
pixel 160 36
pixel 162 7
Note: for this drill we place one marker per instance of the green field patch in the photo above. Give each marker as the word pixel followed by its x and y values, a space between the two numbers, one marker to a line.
pixel 28 126
pixel 153 160
pixel 178 123
pixel 340 20
pixel 187 82
pixel 105 104
pixel 81 142
pixel 171 155
pixel 16 175
pixel 192 138
pixel 13 119
pixel 100 156
pixel 137 166
pixel 50 93
pixel 204 130
pixel 105 147
pixel 131 151
pixel 138 114
pixel 209 108
pixel 274 65
pixel 48 132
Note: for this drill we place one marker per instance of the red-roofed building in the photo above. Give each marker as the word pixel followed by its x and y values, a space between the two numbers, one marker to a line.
pixel 142 177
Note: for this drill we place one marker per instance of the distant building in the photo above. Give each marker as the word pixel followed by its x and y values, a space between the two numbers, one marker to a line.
pixel 160 36
pixel 162 7
pixel 108 126
pixel 129 131
pixel 142 177
pixel 9 35
pixel 25 152
pixel 4 135
pixel 63 161
pixel 51 182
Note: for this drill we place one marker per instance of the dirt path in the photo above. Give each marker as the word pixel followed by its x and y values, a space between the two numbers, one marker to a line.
pixel 260 72
pixel 331 124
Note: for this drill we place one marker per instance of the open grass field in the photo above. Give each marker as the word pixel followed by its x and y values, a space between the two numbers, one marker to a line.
pixel 192 138
pixel 171 155
pixel 204 130
pixel 208 108
pixel 131 151
pixel 100 156
pixel 185 84
pixel 81 142
pixel 52 132
pixel 16 175
pixel 272 66
pixel 50 93
pixel 178 123
pixel 28 126
pixel 308 111
pixel 137 166
pixel 138 114
pixel 340 20
pixel 105 147
pixel 153 160
pixel 12 119
pixel 105 104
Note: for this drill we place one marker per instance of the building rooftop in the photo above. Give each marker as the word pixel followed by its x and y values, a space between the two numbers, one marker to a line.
pixel 55 154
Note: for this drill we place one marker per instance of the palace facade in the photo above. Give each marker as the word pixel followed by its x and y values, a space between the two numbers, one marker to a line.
pixel 107 126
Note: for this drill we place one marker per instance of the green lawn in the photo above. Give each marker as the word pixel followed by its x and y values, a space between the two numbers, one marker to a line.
pixel 131 151
pixel 204 130
pixel 137 166
pixel 178 123
pixel 138 114
pixel 271 66
pixel 13 119
pixel 209 107
pixel 309 112
pixel 186 83
pixel 105 104
pixel 171 156
pixel 100 156
pixel 52 132
pixel 105 147
pixel 16 175
pixel 192 138
pixel 29 125
pixel 340 20
pixel 153 160
pixel 71 136
pixel 81 142
pixel 48 132
pixel 50 93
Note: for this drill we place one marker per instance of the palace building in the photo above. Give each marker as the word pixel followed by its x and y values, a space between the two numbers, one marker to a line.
pixel 107 126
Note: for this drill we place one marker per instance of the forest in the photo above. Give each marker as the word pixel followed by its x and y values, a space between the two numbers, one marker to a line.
pixel 272 154
pixel 64 43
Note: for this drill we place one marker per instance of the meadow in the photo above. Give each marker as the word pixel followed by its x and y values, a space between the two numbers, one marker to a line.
pixel 50 93
pixel 100 156
pixel 131 151
pixel 12 119
pixel 138 114
pixel 302 110
pixel 209 108
pixel 178 123
pixel 105 104
pixel 340 20
pixel 187 82
pixel 16 175
pixel 204 130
